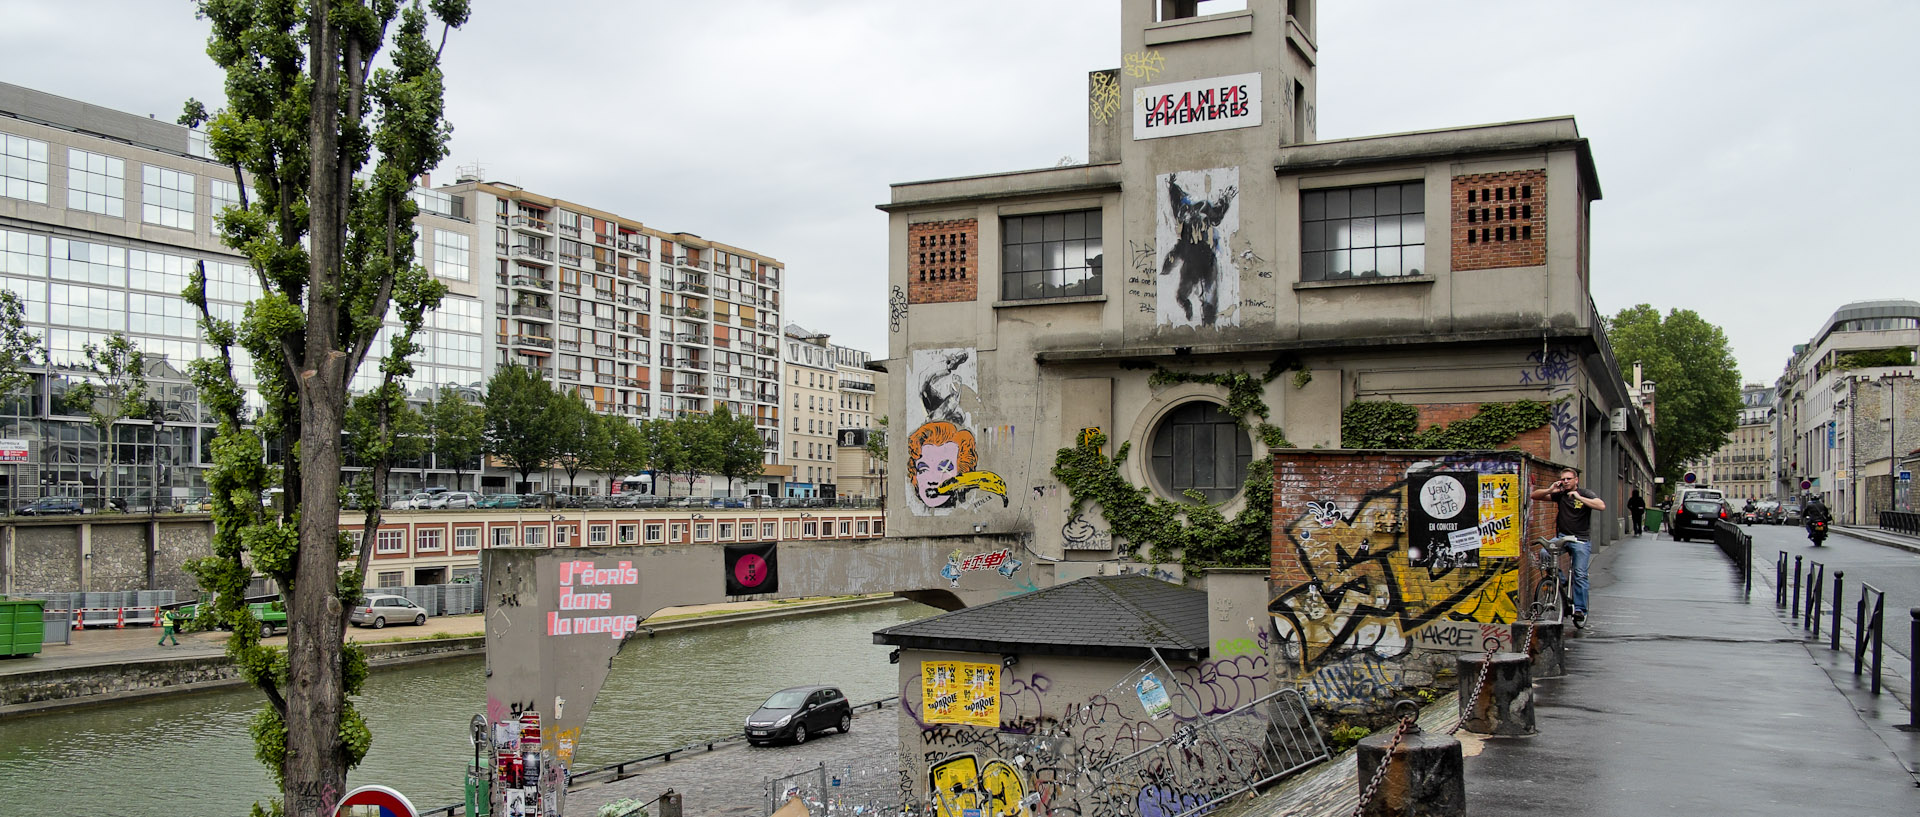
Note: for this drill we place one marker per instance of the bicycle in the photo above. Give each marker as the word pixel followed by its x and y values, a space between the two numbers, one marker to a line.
pixel 1552 589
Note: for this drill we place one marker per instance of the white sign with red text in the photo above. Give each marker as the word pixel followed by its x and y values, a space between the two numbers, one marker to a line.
pixel 13 450
pixel 1196 106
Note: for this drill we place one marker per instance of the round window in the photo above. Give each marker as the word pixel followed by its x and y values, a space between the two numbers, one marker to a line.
pixel 1198 447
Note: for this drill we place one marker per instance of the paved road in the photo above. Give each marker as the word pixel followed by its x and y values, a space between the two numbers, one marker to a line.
pixel 1891 569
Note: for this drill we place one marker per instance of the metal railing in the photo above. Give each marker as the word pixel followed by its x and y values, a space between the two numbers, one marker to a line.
pixel 1869 631
pixel 1738 547
pixel 1808 602
pixel 1907 522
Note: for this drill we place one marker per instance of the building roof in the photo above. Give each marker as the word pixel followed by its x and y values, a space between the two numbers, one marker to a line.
pixel 1098 616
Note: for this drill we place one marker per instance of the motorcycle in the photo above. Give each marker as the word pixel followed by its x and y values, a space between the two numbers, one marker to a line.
pixel 1817 531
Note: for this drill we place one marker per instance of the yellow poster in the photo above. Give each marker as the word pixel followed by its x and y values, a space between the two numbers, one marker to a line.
pixel 1500 516
pixel 960 692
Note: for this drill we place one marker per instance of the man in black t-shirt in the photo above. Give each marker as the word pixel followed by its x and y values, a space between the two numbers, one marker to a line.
pixel 1574 507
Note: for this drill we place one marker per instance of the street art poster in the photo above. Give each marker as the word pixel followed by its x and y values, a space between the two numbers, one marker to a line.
pixel 1500 516
pixel 753 569
pixel 1153 696
pixel 1197 215
pixel 940 383
pixel 960 692
pixel 943 454
pixel 1443 519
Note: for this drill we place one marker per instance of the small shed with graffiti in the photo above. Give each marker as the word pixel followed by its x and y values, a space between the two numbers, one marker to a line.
pixel 1105 695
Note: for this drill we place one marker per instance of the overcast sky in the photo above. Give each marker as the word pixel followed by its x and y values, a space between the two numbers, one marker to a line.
pixel 1756 158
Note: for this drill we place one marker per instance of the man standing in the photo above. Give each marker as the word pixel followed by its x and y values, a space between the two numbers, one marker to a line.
pixel 1637 508
pixel 1575 506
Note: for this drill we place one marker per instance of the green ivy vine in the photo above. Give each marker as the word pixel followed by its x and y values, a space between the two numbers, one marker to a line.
pixel 1195 529
pixel 1380 424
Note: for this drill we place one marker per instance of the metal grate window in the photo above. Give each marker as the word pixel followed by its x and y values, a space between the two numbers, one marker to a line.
pixel 1053 255
pixel 1363 232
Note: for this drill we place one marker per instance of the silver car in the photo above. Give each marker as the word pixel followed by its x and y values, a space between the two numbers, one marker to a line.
pixel 452 500
pixel 376 610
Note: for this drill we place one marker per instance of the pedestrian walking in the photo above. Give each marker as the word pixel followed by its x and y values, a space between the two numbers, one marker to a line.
pixel 1637 508
pixel 167 629
pixel 1574 518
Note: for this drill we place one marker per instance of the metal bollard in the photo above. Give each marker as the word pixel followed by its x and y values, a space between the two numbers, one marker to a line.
pixel 1548 649
pixel 1839 580
pixel 670 804
pixel 1504 705
pixel 1426 775
pixel 1913 670
pixel 1796 587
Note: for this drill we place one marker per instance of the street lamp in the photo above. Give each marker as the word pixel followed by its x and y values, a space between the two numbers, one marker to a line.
pixel 153 505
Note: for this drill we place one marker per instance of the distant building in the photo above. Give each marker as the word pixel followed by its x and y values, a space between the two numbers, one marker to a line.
pixel 1742 468
pixel 862 405
pixel 1841 401
pixel 813 391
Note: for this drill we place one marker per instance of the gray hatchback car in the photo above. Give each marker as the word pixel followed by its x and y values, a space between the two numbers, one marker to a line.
pixel 796 713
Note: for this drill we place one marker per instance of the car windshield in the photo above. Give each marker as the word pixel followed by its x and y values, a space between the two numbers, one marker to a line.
pixel 786 699
pixel 1706 506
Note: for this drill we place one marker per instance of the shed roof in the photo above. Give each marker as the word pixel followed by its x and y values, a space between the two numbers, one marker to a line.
pixel 1098 616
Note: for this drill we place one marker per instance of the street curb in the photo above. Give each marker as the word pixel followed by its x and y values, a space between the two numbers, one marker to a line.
pixel 1892 540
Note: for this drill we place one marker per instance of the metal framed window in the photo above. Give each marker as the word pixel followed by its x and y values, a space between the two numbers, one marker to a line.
pixel 466 539
pixel 428 539
pixel 391 541
pixel 450 253
pixel 23 168
pixel 392 579
pixel 597 534
pixel 536 536
pixel 1050 255
pixel 1198 447
pixel 96 183
pixel 503 537
pixel 1376 231
pixel 629 534
pixel 166 197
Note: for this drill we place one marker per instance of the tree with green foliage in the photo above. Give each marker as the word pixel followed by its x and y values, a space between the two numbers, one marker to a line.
pixel 19 346
pixel 739 450
pixel 667 454
pixel 699 447
pixel 331 249
pixel 575 436
pixel 376 449
pixel 457 431
pixel 113 388
pixel 619 448
pixel 1697 379
pixel 877 450
pixel 520 418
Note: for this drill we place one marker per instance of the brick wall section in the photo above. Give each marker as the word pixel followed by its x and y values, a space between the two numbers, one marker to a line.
pixel 943 261
pixel 1500 220
pixel 1538 442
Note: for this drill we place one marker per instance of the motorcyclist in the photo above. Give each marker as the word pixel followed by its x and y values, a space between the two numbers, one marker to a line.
pixel 1815 511
pixel 1747 513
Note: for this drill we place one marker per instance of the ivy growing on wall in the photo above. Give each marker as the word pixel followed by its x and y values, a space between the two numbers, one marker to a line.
pixel 1380 424
pixel 1195 529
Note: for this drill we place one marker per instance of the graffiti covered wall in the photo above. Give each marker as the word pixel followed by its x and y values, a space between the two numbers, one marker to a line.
pixel 943 448
pixel 1372 594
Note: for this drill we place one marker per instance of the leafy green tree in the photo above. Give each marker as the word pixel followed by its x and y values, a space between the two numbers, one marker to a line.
pixel 377 449
pixel 667 454
pixel 699 447
pixel 457 431
pixel 575 436
pixel 1697 380
pixel 114 388
pixel 739 450
pixel 19 346
pixel 331 248
pixel 619 448
pixel 877 450
pixel 520 415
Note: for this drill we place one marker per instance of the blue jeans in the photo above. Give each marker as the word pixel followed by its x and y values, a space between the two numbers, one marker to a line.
pixel 1582 550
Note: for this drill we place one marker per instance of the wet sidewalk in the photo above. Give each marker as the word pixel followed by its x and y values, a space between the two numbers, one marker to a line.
pixel 1683 697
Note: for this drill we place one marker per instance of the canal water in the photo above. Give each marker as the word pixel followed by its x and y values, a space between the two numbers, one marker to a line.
pixel 189 754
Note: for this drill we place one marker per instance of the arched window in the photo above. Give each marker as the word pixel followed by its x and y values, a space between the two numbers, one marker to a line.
pixel 1199 447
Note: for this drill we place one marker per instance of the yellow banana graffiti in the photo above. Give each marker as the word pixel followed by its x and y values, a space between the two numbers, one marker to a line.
pixel 976 480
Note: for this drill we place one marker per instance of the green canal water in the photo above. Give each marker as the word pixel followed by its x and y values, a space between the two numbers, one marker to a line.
pixel 189 754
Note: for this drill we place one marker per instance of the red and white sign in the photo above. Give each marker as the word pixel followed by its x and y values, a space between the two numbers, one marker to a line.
pixel 13 450
pixel 389 802
pixel 1196 106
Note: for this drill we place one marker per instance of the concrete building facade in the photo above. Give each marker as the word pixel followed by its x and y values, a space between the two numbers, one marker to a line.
pixel 862 405
pixel 813 394
pixel 1742 468
pixel 1848 410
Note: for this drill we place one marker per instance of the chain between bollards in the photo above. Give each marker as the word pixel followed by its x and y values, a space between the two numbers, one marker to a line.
pixel 1486 668
pixel 1407 724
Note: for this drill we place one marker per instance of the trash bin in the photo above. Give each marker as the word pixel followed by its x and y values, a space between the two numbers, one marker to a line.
pixel 1654 515
pixel 22 626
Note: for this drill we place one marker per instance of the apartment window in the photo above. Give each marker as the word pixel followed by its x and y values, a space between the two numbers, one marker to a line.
pixel 679 531
pixel 428 539
pixel 450 251
pixel 224 194
pixel 1377 231
pixel 655 531
pixel 726 530
pixel 596 534
pixel 391 541
pixel 810 529
pixel 630 534
pixel 787 529
pixel 703 531
pixel 846 528
pixel 1198 447
pixel 391 579
pixel 766 530
pixel 862 529
pixel 166 197
pixel 562 535
pixel 1052 255
pixel 466 539
pixel 96 183
pixel 503 537
pixel 359 538
pixel 536 537
pixel 23 168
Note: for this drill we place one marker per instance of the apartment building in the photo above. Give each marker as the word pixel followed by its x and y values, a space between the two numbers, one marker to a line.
pixel 1210 236
pixel 814 393
pixel 1848 410
pixel 861 406
pixel 1742 468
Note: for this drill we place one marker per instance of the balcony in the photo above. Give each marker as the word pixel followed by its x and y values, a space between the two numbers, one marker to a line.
pixel 570 230
pixel 569 346
pixel 690 286
pixel 603 323
pixel 603 239
pixel 603 379
pixel 722 368
pixel 603 351
pixel 722 343
pixel 570 317
pixel 691 364
pixel 629 382
pixel 603 294
pixel 604 268
pixel 856 385
pixel 532 341
pixel 693 312
pixel 696 339
pixel 569 289
pixel 769 351
pixel 689 388
pixel 529 311
pixel 531 253
pixel 569 374
pixel 571 261
pixel 531 282
pixel 722 393
pixel 529 223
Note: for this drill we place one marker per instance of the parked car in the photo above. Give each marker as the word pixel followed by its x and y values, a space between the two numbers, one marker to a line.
pixel 499 501
pixel 271 614
pixel 412 502
pixel 1769 513
pixel 376 610
pixel 796 713
pixel 1790 513
pixel 597 501
pixel 728 502
pixel 452 500
pixel 1694 517
pixel 564 501
pixel 50 506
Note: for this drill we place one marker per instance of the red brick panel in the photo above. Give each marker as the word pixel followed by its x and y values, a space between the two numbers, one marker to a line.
pixel 943 261
pixel 1500 220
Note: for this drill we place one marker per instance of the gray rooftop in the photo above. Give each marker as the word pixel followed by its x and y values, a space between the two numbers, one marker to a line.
pixel 1098 616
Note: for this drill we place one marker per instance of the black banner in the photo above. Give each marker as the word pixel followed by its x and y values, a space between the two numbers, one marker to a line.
pixel 753 569
pixel 1443 514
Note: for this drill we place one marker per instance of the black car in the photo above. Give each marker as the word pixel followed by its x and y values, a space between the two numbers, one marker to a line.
pixel 1694 518
pixel 50 506
pixel 796 713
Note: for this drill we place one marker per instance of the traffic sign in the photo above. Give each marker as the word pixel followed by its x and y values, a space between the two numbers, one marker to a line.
pixel 1689 478
pixel 389 802
pixel 1906 476
pixel 1804 484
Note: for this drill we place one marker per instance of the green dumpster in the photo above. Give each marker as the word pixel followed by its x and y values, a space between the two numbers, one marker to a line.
pixel 1654 516
pixel 21 626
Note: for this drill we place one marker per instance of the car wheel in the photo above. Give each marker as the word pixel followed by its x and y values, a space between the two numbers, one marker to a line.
pixel 379 622
pixel 266 631
pixel 420 620
pixel 846 722
pixel 800 733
